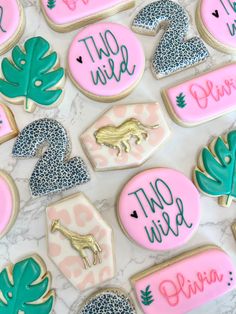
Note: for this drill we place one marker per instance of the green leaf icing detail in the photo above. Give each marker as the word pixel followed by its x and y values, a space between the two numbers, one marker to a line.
pixel 180 100
pixel 51 4
pixel 219 175
pixel 146 296
pixel 25 288
pixel 32 74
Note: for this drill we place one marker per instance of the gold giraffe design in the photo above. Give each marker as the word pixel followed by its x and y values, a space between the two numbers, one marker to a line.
pixel 80 243
pixel 119 137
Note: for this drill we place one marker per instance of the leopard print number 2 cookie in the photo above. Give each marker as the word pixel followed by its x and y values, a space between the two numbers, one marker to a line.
pixel 173 53
pixel 54 172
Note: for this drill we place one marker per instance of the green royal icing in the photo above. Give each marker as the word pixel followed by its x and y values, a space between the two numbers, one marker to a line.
pixel 219 176
pixel 146 296
pixel 21 293
pixel 180 100
pixel 31 74
pixel 51 4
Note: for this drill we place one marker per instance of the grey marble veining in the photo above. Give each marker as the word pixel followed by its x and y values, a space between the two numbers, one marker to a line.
pixel 76 113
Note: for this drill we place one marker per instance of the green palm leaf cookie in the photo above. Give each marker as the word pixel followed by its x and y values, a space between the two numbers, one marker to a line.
pixel 216 171
pixel 146 296
pixel 25 288
pixel 32 76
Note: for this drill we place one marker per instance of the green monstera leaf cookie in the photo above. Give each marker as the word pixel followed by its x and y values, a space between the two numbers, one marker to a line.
pixel 216 171
pixel 33 75
pixel 25 288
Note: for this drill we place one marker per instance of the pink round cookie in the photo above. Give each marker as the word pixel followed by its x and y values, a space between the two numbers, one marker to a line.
pixel 9 202
pixel 159 209
pixel 216 23
pixel 106 61
pixel 12 23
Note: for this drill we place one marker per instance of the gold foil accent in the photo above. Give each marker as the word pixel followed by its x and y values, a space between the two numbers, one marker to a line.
pixel 119 137
pixel 80 243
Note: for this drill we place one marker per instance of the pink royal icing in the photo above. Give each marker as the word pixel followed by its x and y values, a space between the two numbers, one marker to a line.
pixel 205 97
pixel 106 59
pixel 64 12
pixel 7 204
pixel 218 17
pixel 159 209
pixel 187 283
pixel 9 19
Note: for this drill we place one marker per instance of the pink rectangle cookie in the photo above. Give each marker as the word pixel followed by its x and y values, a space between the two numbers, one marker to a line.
pixel 202 98
pixel 66 15
pixel 185 282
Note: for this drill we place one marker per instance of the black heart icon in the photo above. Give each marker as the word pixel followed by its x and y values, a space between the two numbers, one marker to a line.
pixel 134 214
pixel 216 13
pixel 80 60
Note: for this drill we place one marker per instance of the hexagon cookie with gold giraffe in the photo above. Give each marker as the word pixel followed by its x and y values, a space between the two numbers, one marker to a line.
pixel 80 242
pixel 125 136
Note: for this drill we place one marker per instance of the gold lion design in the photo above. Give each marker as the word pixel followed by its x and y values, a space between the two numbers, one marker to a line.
pixel 119 137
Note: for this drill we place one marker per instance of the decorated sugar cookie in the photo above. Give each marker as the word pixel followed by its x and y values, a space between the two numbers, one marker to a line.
pixel 9 202
pixel 125 136
pixel 111 300
pixel 66 15
pixel 159 209
pixel 202 98
pixel 12 23
pixel 25 287
pixel 216 22
pixel 80 242
pixel 54 172
pixel 185 282
pixel 33 76
pixel 106 61
pixel 215 173
pixel 173 53
pixel 8 127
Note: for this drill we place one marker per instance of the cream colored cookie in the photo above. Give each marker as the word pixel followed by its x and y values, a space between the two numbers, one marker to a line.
pixel 125 136
pixel 80 242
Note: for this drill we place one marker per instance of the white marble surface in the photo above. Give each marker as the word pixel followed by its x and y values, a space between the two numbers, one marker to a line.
pixel 180 152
